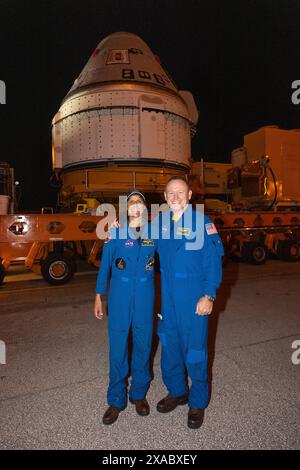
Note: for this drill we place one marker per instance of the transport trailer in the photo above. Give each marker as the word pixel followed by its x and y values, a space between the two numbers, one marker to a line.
pixel 253 237
pixel 48 244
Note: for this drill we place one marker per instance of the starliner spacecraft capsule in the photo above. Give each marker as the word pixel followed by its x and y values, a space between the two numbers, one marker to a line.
pixel 123 124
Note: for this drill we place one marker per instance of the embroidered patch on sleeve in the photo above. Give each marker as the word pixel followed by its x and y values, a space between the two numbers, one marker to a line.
pixel 183 231
pixel 210 229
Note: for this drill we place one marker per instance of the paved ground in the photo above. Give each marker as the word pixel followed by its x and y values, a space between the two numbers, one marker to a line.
pixel 53 385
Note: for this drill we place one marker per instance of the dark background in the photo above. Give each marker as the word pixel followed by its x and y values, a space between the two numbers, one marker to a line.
pixel 238 58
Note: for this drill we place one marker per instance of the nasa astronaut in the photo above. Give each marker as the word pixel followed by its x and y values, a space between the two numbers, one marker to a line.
pixel 130 303
pixel 190 276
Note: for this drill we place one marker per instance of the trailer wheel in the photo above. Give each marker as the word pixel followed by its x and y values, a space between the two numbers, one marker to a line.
pixel 254 253
pixel 58 268
pixel 2 274
pixel 288 250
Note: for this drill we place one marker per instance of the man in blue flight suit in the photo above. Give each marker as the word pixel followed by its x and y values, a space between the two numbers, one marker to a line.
pixel 131 303
pixel 189 278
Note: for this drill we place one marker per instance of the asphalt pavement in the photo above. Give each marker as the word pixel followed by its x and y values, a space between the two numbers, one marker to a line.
pixel 53 385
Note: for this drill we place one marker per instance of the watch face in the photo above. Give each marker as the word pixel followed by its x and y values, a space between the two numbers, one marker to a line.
pixel 120 263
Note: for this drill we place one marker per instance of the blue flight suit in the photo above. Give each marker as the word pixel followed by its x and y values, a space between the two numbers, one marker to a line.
pixel 130 302
pixel 187 275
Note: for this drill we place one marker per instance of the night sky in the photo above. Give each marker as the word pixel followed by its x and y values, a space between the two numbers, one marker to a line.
pixel 238 58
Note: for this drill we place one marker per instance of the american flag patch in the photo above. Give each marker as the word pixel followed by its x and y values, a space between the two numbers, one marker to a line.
pixel 210 229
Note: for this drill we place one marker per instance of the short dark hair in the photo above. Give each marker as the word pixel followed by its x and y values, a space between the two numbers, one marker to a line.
pixel 180 178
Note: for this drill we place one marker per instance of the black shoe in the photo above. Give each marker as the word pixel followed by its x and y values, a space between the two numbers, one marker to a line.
pixel 141 406
pixel 195 418
pixel 169 403
pixel 111 415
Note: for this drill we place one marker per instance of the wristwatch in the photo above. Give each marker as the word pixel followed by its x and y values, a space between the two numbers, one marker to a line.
pixel 210 297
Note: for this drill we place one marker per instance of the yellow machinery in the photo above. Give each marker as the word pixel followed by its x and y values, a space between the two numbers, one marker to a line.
pixel 262 186
pixel 270 176
pixel 106 183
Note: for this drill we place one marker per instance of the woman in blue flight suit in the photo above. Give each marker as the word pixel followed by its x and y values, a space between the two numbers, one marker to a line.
pixel 130 303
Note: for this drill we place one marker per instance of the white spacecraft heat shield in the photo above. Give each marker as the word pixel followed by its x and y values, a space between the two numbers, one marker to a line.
pixel 122 124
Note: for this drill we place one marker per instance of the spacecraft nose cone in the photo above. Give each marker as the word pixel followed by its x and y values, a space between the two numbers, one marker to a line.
pixel 122 57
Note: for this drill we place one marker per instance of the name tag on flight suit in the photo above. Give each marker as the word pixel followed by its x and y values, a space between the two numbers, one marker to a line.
pixel 183 231
pixel 147 242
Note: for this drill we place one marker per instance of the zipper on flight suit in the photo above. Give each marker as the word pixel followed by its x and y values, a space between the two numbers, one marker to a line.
pixel 139 241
